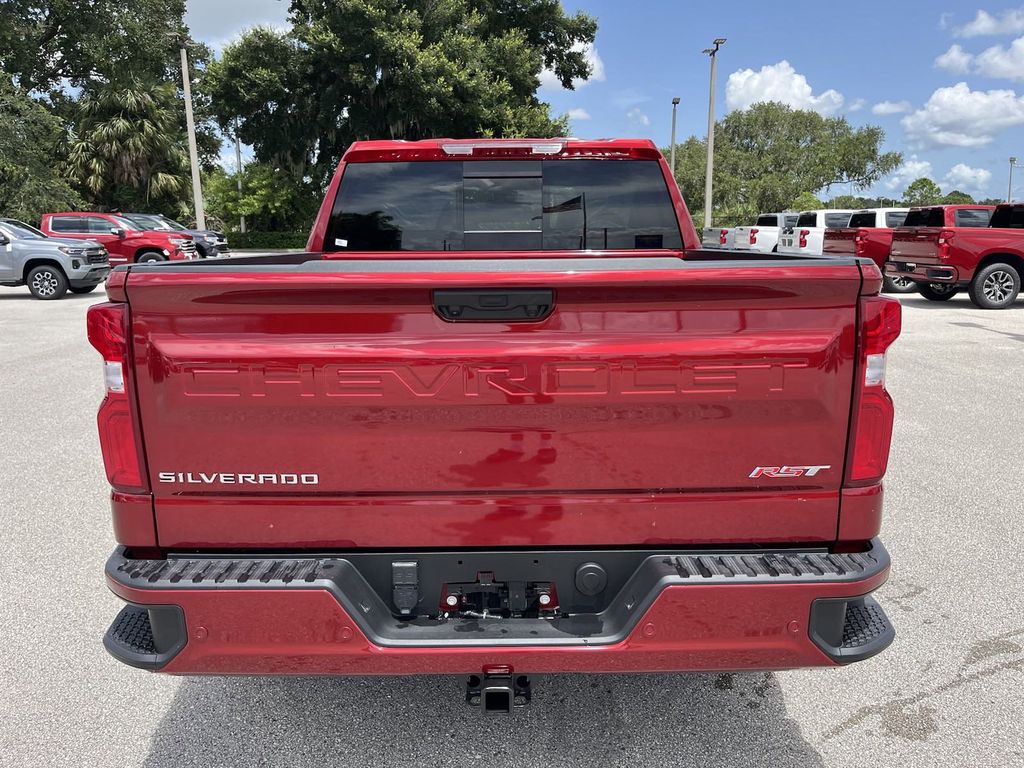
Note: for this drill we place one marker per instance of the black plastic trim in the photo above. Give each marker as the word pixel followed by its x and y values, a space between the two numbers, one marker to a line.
pixel 146 636
pixel 641 584
pixel 850 629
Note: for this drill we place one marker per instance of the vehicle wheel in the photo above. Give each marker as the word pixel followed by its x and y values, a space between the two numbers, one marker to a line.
pixel 83 289
pixel 995 287
pixel 149 258
pixel 937 291
pixel 899 285
pixel 47 283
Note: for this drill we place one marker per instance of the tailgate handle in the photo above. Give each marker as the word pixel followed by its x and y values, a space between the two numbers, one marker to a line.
pixel 475 305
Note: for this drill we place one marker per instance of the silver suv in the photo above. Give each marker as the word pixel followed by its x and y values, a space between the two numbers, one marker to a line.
pixel 49 266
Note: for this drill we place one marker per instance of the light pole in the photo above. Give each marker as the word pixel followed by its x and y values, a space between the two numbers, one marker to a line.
pixel 709 177
pixel 672 156
pixel 1009 188
pixel 193 150
pixel 238 167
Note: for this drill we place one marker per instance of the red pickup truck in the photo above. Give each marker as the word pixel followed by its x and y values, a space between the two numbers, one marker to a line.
pixel 870 234
pixel 125 241
pixel 505 417
pixel 944 257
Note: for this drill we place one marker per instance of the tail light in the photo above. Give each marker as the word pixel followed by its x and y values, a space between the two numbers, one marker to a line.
pixel 860 241
pixel 119 439
pixel 753 236
pixel 723 236
pixel 945 238
pixel 803 237
pixel 871 426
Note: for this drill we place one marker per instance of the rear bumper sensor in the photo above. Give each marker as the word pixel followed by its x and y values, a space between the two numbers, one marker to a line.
pixel 638 585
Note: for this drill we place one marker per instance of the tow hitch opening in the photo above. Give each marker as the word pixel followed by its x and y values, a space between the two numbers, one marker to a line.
pixel 498 692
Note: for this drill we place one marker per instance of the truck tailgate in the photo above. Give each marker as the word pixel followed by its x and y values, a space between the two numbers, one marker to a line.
pixel 327 404
pixel 917 244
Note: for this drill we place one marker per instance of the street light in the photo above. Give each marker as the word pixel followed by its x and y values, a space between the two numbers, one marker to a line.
pixel 709 176
pixel 1009 188
pixel 672 157
pixel 190 124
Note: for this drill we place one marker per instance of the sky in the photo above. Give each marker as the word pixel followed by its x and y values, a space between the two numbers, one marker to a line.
pixel 944 79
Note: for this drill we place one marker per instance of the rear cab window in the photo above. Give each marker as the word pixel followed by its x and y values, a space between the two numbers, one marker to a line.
pixel 979 217
pixel 837 220
pixel 503 205
pixel 863 220
pixel 895 218
pixel 767 221
pixel 807 220
pixel 926 217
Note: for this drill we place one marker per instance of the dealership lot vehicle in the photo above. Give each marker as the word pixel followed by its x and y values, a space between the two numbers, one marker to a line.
pixel 763 236
pixel 719 237
pixel 807 236
pixel 870 234
pixel 987 261
pixel 496 368
pixel 49 266
pixel 209 243
pixel 125 241
pixel 938 695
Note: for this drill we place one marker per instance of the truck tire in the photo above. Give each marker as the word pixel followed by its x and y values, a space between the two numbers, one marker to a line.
pixel 47 282
pixel 937 291
pixel 995 286
pixel 84 289
pixel 149 257
pixel 899 285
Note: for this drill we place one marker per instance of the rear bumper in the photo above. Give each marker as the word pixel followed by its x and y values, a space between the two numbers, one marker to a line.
pixel 676 612
pixel 924 273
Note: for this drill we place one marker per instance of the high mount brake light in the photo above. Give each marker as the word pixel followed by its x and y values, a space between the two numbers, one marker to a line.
pixel 119 439
pixel 503 147
pixel 871 433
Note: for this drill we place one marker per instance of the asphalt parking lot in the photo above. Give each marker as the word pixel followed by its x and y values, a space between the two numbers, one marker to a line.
pixel 948 693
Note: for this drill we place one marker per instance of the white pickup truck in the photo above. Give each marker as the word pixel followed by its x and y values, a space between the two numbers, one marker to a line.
pixel 719 237
pixel 807 236
pixel 763 236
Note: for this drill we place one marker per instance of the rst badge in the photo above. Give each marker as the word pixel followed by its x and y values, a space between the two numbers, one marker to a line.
pixel 780 472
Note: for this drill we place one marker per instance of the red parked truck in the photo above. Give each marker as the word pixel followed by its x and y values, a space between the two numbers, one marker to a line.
pixel 944 258
pixel 125 241
pixel 504 418
pixel 870 234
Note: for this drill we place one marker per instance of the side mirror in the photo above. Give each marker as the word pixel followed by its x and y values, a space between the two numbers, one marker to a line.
pixel 117 231
pixel 4 240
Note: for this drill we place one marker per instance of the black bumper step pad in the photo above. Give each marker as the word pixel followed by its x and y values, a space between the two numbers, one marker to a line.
pixel 850 629
pixel 146 636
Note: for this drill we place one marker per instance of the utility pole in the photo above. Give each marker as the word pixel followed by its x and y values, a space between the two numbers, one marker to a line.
pixel 672 158
pixel 709 178
pixel 238 175
pixel 1009 188
pixel 193 150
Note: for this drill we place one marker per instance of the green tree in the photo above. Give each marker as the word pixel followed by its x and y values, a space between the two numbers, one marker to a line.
pixel 922 191
pixel 358 69
pixel 766 156
pixel 805 201
pixel 126 151
pixel 956 197
pixel 29 182
pixel 271 199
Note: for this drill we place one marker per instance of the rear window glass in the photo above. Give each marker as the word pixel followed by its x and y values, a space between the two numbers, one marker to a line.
pixel 835 220
pixel 807 220
pixel 767 221
pixel 895 218
pixel 866 220
pixel 926 217
pixel 791 220
pixel 981 217
pixel 503 205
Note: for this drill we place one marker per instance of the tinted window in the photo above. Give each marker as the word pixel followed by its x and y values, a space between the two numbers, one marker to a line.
pixel 767 221
pixel 926 217
pixel 1004 218
pixel 791 220
pixel 835 220
pixel 503 205
pixel 863 219
pixel 20 230
pixel 98 226
pixel 981 217
pixel 895 218
pixel 807 220
pixel 68 224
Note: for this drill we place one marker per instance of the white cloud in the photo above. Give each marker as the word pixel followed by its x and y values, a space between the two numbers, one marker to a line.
pixel 891 107
pixel 1010 22
pixel 956 116
pixel 955 60
pixel 638 117
pixel 579 114
pixel 911 170
pixel 1000 62
pixel 967 179
pixel 778 82
pixel 856 106
pixel 548 79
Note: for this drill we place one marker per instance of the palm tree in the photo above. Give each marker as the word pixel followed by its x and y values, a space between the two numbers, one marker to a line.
pixel 127 143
